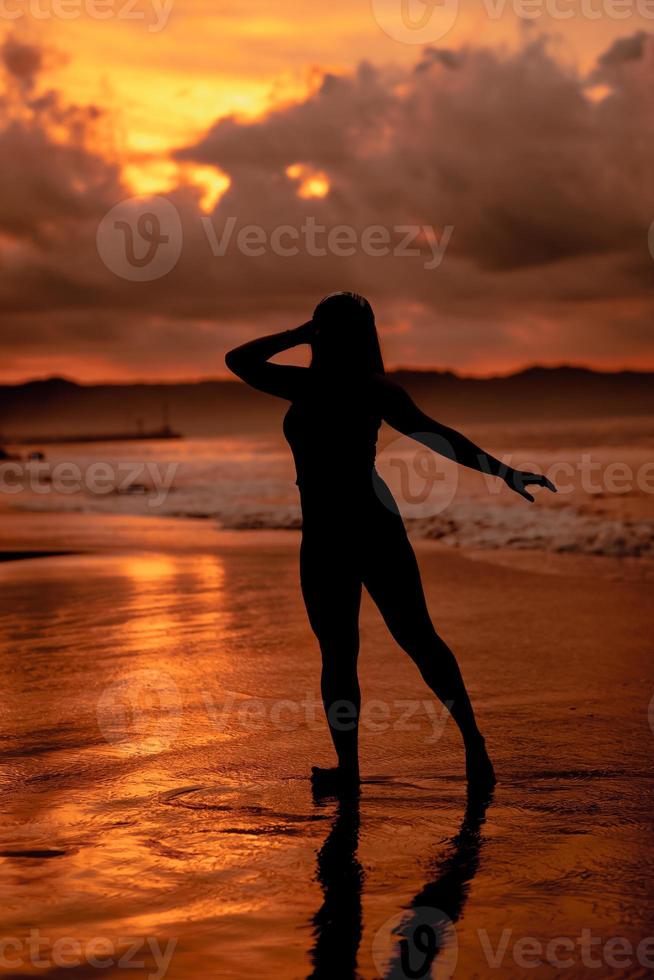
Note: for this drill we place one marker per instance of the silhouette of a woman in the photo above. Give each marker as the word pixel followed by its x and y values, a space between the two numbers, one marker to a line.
pixel 352 532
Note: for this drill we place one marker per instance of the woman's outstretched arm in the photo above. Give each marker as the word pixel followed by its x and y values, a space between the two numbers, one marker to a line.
pixel 251 362
pixel 400 411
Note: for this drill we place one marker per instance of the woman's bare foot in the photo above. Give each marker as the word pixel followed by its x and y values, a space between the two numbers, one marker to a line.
pixel 333 782
pixel 479 768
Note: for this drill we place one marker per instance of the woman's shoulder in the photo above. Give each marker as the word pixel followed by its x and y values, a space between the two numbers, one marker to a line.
pixel 385 389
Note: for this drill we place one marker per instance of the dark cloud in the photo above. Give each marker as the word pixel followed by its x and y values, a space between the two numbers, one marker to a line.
pixel 22 61
pixel 442 56
pixel 509 149
pixel 624 49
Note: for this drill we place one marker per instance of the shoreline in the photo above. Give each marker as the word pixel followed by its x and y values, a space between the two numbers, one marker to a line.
pixel 34 535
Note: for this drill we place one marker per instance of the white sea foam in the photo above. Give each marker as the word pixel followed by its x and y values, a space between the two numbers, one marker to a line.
pixel 249 484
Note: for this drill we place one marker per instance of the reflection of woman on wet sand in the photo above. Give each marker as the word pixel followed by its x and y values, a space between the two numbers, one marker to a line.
pixel 427 927
pixel 338 924
pixel 418 936
pixel 352 532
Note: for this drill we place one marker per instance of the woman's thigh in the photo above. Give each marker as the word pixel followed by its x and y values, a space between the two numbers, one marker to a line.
pixel 392 577
pixel 330 576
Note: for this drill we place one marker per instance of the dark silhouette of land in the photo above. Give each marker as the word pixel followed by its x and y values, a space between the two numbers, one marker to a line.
pixel 223 407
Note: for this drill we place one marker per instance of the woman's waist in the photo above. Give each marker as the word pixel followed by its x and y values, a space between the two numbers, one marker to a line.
pixel 358 498
pixel 319 486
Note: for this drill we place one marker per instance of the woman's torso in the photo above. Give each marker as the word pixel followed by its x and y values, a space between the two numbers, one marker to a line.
pixel 332 429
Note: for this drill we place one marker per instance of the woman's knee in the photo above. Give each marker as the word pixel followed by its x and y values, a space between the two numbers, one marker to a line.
pixel 423 645
pixel 339 652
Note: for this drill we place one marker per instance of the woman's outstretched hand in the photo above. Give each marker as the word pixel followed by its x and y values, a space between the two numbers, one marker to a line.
pixel 519 479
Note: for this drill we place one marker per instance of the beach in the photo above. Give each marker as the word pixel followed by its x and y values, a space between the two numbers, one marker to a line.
pixel 278 286
pixel 162 716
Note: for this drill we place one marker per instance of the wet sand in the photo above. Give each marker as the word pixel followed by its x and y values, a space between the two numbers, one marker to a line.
pixel 161 715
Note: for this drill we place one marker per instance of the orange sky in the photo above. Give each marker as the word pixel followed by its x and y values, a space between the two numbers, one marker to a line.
pixel 178 65
pixel 522 148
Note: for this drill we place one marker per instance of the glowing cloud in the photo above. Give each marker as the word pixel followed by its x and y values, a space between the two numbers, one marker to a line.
pixel 312 183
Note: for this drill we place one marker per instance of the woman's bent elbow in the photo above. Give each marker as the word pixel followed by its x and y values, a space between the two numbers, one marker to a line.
pixel 232 361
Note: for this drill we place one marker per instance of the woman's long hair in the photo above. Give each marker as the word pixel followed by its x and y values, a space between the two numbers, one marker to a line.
pixel 346 338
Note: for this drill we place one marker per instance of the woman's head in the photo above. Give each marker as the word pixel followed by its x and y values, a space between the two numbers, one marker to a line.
pixel 346 338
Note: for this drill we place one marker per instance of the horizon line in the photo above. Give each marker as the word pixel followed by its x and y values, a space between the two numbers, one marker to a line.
pixel 431 369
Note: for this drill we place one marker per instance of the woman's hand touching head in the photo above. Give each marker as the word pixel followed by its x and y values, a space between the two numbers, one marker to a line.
pixel 306 332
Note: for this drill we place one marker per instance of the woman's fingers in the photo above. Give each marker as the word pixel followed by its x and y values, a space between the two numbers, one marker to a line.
pixel 521 480
pixel 517 482
pixel 539 480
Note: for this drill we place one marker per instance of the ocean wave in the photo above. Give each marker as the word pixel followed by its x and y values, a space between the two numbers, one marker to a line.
pixel 468 525
pixel 556 531
pixel 249 486
pixel 563 530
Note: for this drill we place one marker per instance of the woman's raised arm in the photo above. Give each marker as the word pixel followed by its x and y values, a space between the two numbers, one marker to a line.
pixel 251 362
pixel 400 411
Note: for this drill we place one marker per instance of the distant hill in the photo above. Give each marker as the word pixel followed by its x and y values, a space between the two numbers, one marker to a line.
pixel 56 406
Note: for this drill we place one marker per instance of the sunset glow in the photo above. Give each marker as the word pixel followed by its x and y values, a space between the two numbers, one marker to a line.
pixel 311 183
pixel 525 139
